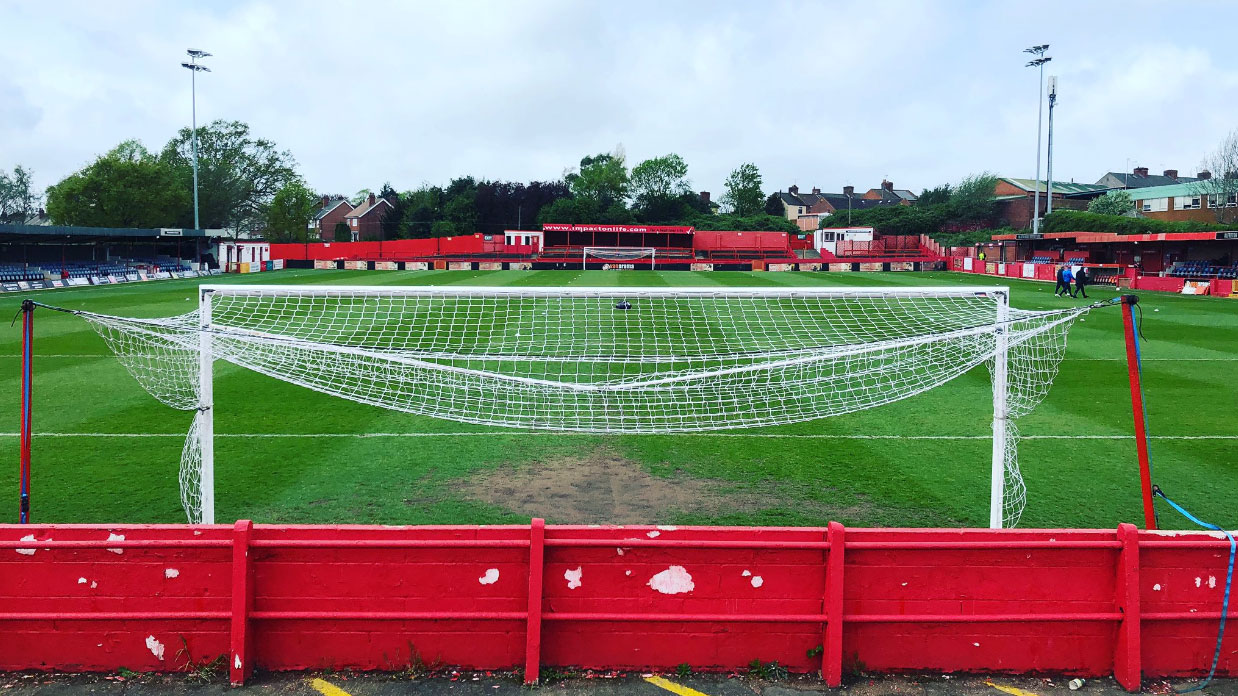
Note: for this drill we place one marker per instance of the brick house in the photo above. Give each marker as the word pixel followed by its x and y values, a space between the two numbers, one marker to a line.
pixel 889 194
pixel 1140 178
pixel 330 213
pixel 1185 202
pixel 1015 198
pixel 366 220
pixel 816 203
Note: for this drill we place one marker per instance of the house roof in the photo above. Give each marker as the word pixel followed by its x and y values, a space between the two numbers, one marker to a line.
pixel 365 208
pixel 332 205
pixel 1187 189
pixel 906 195
pixel 1066 188
pixel 837 200
pixel 1131 180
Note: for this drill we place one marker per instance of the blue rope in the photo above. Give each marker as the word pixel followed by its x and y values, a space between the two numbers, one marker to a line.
pixel 1233 545
pixel 1229 579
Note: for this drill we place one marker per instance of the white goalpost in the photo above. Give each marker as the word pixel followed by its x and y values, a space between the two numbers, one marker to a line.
pixel 601 360
pixel 619 254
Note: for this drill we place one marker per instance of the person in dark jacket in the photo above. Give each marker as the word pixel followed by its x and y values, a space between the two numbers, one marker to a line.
pixel 1063 282
pixel 1081 279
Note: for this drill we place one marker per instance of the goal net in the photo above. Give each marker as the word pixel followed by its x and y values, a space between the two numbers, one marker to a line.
pixel 601 360
pixel 619 254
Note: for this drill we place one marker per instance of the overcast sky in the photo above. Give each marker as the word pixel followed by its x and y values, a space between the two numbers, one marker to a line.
pixel 815 93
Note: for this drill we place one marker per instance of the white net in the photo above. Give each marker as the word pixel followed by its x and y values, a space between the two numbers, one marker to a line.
pixel 605 360
pixel 619 254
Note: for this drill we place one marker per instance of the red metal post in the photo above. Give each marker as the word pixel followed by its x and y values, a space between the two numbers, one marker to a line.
pixel 832 644
pixel 1141 435
pixel 1127 664
pixel 27 407
pixel 533 629
pixel 239 666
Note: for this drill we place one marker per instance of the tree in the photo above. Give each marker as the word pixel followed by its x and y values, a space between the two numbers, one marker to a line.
pixel 342 233
pixel 18 201
pixel 934 196
pixel 1112 203
pixel 1222 187
pixel 126 187
pixel 602 178
pixel 972 199
pixel 290 212
pixel 238 175
pixel 743 196
pixel 773 204
pixel 657 185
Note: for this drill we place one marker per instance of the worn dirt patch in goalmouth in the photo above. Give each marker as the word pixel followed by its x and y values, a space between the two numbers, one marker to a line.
pixel 606 488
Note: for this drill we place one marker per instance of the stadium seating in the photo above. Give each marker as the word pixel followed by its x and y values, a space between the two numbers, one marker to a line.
pixel 12 273
pixel 1202 269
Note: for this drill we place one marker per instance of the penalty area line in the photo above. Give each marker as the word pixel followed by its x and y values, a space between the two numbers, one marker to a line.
pixel 770 436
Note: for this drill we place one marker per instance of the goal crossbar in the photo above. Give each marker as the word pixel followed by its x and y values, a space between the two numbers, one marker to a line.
pixel 619 253
pixel 597 359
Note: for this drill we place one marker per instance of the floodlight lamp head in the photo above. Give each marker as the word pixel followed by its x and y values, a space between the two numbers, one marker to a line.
pixel 1037 50
pixel 195 67
pixel 197 53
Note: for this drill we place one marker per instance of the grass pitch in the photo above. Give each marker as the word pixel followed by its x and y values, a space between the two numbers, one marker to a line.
pixel 106 452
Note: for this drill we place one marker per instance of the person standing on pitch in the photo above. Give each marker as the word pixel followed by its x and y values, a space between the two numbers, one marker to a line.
pixel 1081 279
pixel 1063 282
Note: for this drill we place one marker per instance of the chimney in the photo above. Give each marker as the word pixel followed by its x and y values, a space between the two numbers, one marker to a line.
pixel 325 200
pixel 1171 173
pixel 705 197
pixel 793 190
pixel 848 190
pixel 1204 175
pixel 816 190
pixel 371 198
pixel 887 185
pixel 1140 171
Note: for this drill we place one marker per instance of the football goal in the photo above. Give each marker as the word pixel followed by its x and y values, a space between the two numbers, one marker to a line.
pixel 600 360
pixel 619 254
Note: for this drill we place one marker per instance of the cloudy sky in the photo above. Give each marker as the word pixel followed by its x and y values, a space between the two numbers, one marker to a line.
pixel 815 93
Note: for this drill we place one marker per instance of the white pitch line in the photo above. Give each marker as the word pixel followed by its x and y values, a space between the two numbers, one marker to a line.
pixel 774 436
pixel 1149 359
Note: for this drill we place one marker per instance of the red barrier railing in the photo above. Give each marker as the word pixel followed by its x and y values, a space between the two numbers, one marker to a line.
pixel 163 598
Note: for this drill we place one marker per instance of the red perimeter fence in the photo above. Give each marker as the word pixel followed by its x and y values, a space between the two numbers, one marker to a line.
pixel 158 598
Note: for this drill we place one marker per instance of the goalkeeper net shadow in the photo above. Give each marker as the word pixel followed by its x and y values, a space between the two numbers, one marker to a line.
pixel 600 360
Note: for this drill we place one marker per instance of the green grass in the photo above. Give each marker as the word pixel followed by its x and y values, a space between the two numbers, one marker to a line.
pixel 313 474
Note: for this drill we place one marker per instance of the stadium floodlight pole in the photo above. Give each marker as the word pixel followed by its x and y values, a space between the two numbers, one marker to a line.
pixel 1038 62
pixel 194 68
pixel 1049 169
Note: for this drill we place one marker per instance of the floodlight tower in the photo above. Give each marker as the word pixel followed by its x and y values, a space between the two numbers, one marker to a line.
pixel 194 68
pixel 1038 62
pixel 1049 171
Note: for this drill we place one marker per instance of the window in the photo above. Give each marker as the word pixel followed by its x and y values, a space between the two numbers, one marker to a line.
pixel 1186 203
pixel 354 222
pixel 1221 200
pixel 1155 205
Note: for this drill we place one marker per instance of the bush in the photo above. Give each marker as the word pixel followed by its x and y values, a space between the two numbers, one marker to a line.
pixel 1079 221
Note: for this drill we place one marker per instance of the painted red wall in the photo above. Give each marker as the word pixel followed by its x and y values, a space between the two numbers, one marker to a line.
pixel 727 240
pixel 397 249
pixel 1088 602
